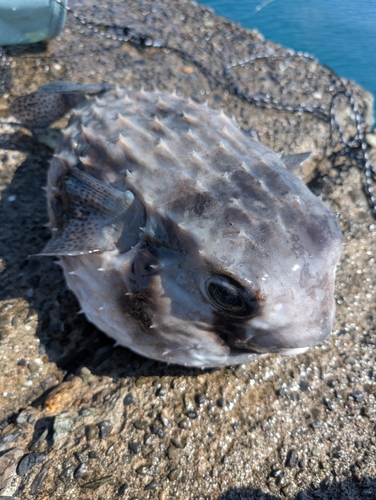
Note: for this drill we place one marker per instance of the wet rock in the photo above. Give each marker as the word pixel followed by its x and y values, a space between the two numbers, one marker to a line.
pixel 174 474
pixel 157 431
pixel 91 432
pixel 177 443
pixel 332 383
pixel 173 453
pixel 200 399
pixel 40 478
pixel 9 438
pixel 66 476
pixel 81 472
pixel 189 402
pixel 144 469
pixel 134 447
pixel 164 418
pixel 93 485
pixel 105 429
pixel 81 457
pixel 357 395
pixel 111 450
pixel 292 458
pixel 25 417
pixel 328 404
pixel 29 461
pixel 149 439
pixel 34 366
pixel 304 385
pixel 127 459
pixel 184 423
pixel 316 425
pixel 8 466
pixel 141 424
pixel 63 425
pixel 129 400
pixel 276 472
pixel 281 392
pixel 123 489
pixel 152 486
pixel 87 412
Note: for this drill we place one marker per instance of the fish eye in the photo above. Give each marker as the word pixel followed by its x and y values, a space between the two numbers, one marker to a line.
pixel 233 299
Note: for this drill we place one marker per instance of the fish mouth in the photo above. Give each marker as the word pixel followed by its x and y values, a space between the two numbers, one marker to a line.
pixel 251 346
pixel 240 337
pixel 285 341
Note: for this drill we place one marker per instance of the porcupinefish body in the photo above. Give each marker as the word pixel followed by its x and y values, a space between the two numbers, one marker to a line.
pixel 182 237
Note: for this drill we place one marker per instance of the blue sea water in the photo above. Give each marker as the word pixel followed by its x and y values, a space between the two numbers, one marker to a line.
pixel 339 33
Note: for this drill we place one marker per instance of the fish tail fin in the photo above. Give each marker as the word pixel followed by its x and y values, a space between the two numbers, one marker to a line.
pixel 52 101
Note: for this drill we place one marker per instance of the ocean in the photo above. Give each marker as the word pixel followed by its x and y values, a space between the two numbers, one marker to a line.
pixel 339 33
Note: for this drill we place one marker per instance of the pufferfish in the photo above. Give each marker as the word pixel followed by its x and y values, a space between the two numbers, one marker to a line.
pixel 183 238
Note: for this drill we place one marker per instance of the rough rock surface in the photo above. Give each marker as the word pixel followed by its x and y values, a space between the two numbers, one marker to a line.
pixel 82 419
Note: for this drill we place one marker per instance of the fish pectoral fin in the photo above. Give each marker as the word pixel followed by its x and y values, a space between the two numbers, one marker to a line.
pixel 88 215
pixel 78 240
pixel 293 162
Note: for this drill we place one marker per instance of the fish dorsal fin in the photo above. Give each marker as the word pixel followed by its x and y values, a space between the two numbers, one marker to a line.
pixel 88 215
pixel 63 87
pixel 293 162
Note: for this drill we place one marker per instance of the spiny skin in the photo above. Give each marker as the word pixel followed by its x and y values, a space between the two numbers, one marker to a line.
pixel 183 238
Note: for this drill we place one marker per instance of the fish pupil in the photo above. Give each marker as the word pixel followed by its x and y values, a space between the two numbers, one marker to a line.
pixel 225 295
pixel 230 297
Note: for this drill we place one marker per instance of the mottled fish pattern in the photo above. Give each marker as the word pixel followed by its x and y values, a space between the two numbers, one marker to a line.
pixel 182 237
